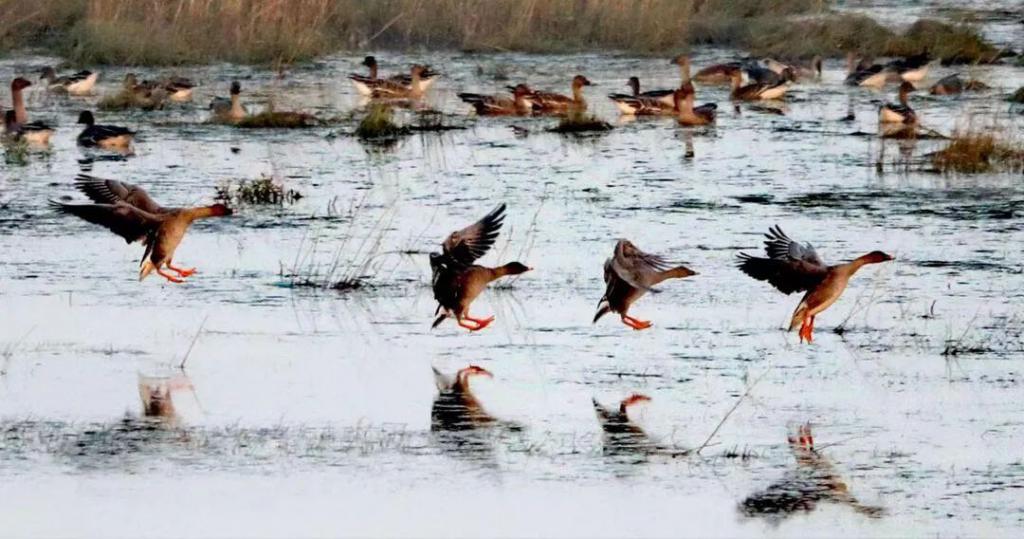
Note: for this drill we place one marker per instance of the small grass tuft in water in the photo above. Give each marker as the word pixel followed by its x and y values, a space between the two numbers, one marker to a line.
pixel 581 122
pixel 379 124
pixel 16 153
pixel 271 119
pixel 974 152
pixel 264 190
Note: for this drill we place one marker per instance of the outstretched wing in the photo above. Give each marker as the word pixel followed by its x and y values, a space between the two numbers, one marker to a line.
pixel 635 266
pixel 790 266
pixel 122 219
pixel 464 246
pixel 103 191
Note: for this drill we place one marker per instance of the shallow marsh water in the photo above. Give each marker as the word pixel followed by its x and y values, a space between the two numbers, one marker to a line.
pixel 309 410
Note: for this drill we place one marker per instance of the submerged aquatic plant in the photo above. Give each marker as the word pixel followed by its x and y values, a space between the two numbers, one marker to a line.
pixel 260 191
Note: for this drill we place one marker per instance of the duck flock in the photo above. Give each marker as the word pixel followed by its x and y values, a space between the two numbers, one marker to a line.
pixel 629 272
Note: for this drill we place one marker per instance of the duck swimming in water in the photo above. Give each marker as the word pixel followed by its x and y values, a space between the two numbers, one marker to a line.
pixel 559 103
pixel 128 211
pixel 112 137
pixel 628 275
pixel 80 83
pixel 457 281
pixel 794 267
pixel 899 113
pixel 498 105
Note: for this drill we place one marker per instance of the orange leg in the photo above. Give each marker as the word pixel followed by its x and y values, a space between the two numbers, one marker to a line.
pixel 168 276
pixel 643 324
pixel 803 332
pixel 634 323
pixel 481 323
pixel 179 271
pixel 810 330
pixel 463 322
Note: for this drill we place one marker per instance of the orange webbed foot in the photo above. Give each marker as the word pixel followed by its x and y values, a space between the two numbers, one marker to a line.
pixel 636 324
pixel 168 276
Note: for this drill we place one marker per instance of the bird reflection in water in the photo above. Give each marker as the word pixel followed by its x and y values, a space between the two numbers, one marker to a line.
pixel 813 480
pixel 459 422
pixel 623 437
pixel 156 394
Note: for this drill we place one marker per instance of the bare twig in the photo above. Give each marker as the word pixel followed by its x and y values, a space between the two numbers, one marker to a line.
pixel 731 410
pixel 193 343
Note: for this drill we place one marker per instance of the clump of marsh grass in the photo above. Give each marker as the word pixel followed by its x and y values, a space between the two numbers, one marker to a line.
pixel 275 119
pixel 379 124
pixel 973 151
pixel 580 122
pixel 265 190
pixel 16 152
pixel 174 32
pixel 356 259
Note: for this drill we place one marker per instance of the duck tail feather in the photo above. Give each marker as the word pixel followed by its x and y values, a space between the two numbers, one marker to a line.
pixel 602 310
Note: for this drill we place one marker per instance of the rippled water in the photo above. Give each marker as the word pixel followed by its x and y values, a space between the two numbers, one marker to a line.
pixel 309 412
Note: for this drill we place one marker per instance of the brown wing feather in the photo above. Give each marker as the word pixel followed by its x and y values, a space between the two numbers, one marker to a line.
pixel 791 267
pixel 636 267
pixel 103 191
pixel 464 246
pixel 122 219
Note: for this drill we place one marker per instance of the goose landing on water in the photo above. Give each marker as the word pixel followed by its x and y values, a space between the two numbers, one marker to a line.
pixel 794 267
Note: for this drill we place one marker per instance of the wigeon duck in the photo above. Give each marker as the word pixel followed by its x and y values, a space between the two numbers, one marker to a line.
pixel 366 84
pixel 33 133
pixel 229 109
pixel 911 68
pixel 497 105
pixel 813 480
pixel 640 103
pixel 80 83
pixel 629 274
pixel 796 70
pixel 178 88
pixel 554 102
pixel 456 408
pixel 756 90
pixel 145 94
pixel 687 114
pixel 457 281
pixel 128 211
pixel 794 267
pixel 864 73
pixel 953 85
pixel 719 73
pixel 898 113
pixel 103 136
pixel 396 89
